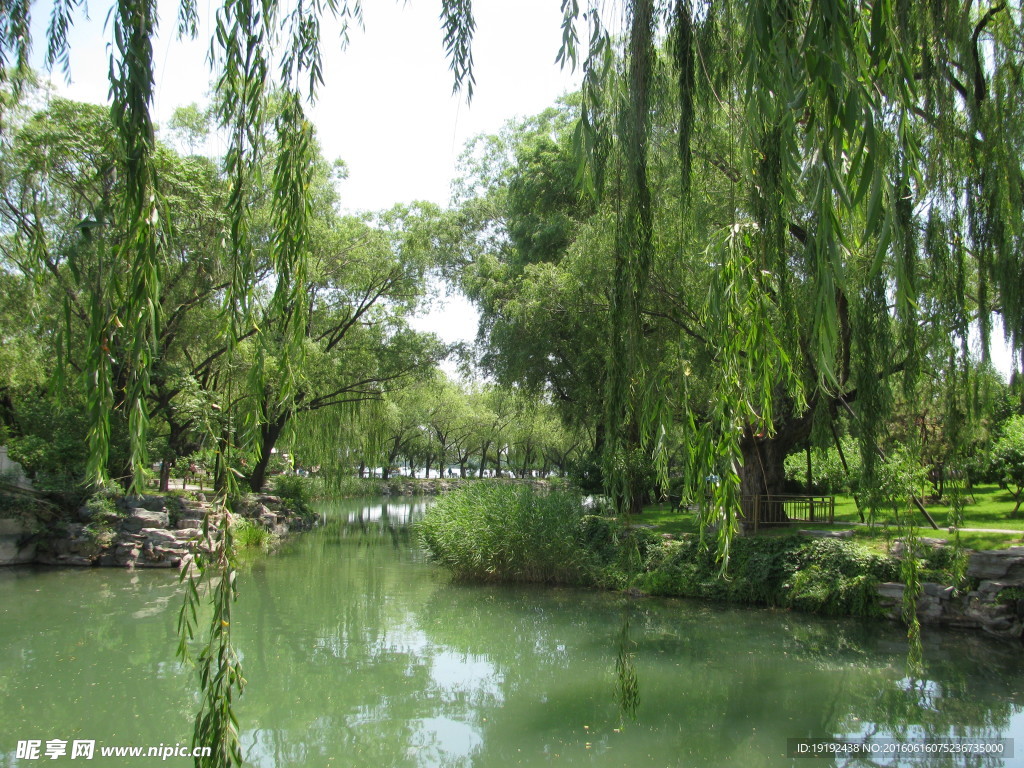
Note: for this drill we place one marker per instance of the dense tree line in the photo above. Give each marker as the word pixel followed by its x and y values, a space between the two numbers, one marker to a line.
pixel 60 195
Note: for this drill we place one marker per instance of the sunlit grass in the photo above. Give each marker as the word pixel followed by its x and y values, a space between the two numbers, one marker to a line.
pixel 989 507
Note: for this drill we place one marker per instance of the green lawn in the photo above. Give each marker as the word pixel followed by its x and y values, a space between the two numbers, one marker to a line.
pixel 990 508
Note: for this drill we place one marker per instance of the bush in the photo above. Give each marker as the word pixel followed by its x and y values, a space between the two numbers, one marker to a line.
pixel 297 492
pixel 251 535
pixel 502 532
pixel 819 575
pixel 102 506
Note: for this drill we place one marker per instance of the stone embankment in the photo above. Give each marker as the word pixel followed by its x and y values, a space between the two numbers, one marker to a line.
pixel 146 532
pixel 993 603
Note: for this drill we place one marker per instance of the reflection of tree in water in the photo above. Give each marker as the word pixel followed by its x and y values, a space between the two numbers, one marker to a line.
pixel 338 667
pixel 91 650
pixel 742 679
pixel 359 651
pixel 627 690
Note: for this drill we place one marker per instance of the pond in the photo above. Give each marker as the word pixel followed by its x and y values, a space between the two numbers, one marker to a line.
pixel 358 652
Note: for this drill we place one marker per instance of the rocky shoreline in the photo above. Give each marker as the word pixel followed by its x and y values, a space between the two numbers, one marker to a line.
pixel 147 532
pixel 995 605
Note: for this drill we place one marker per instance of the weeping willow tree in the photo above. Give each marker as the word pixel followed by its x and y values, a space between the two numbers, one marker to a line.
pixel 872 160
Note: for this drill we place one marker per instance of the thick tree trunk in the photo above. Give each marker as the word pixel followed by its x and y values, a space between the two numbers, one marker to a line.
pixel 763 474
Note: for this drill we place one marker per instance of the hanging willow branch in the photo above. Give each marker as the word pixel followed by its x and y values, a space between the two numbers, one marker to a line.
pixel 132 83
pixel 633 253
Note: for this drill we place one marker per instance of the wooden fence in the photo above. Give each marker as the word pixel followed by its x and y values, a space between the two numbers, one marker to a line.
pixel 782 510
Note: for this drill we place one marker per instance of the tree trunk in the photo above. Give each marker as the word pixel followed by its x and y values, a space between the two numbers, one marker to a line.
pixel 269 433
pixel 763 473
pixel 165 475
pixel 483 457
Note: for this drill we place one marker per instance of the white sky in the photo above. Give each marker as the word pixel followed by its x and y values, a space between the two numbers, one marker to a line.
pixel 387 108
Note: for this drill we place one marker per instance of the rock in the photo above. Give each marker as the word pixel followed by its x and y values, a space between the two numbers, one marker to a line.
pixel 937 590
pixel 13 526
pixel 991 588
pixel 145 518
pixel 126 554
pixel 828 534
pixel 899 545
pixel 11 553
pixel 929 609
pixel 161 536
pixel 1002 564
pixel 1000 625
pixel 79 560
pixel 161 563
pixel 891 590
pixel 188 523
pixel 150 502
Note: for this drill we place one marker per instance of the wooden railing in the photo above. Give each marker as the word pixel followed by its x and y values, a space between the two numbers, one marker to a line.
pixel 782 510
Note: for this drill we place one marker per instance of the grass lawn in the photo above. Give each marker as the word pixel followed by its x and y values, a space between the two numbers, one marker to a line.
pixel 990 508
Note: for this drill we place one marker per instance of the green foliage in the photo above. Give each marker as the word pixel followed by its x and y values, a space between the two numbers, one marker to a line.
pixel 896 479
pixel 1008 459
pixel 251 535
pixel 49 441
pixel 818 575
pixel 297 492
pixel 827 470
pixel 103 506
pixel 943 565
pixel 502 532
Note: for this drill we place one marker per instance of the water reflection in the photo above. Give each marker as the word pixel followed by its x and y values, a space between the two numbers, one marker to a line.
pixel 360 653
pixel 401 667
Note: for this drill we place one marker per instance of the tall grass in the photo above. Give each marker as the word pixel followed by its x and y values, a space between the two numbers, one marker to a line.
pixel 499 532
pixel 249 534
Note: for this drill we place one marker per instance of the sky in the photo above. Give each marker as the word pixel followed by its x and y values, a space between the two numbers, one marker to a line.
pixel 386 108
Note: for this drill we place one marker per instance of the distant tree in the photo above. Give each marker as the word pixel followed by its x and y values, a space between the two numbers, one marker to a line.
pixel 1008 459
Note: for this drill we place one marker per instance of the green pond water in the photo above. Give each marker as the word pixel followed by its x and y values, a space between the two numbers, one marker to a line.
pixel 358 652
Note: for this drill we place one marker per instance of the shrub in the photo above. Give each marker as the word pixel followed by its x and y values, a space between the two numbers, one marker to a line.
pixel 297 492
pixel 820 575
pixel 102 506
pixel 251 535
pixel 502 532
